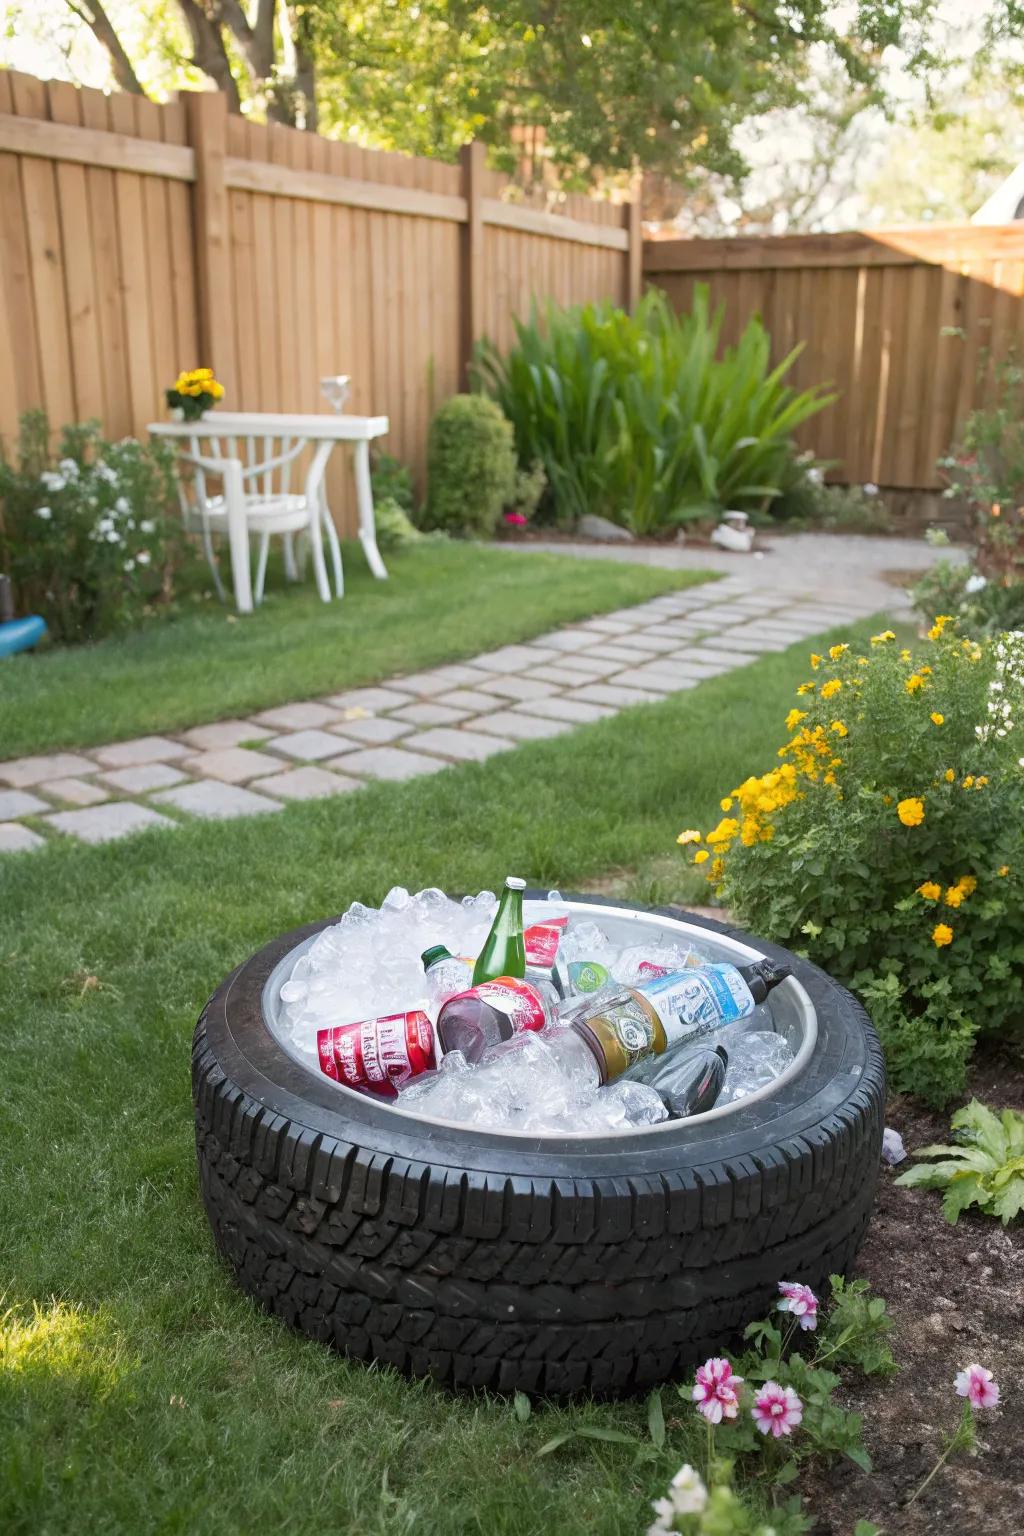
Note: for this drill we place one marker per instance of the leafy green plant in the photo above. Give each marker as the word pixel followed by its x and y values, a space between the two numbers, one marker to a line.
pixel 985 1168
pixel 391 480
pixel 471 466
pixel 887 843
pixel 640 418
pixel 89 533
pixel 809 502
pixel 394 529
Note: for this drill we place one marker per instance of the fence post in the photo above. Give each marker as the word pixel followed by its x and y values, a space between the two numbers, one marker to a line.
pixel 635 249
pixel 207 131
pixel 471 273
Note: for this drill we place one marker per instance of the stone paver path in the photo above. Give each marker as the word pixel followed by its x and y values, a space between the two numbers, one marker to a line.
pixel 411 725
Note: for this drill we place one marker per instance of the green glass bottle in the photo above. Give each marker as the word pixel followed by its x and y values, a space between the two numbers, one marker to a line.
pixel 504 953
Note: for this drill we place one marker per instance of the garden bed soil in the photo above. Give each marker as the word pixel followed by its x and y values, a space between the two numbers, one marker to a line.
pixel 956 1295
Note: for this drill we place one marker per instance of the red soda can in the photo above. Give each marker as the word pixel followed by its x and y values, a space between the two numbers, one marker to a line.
pixel 541 943
pixel 374 1055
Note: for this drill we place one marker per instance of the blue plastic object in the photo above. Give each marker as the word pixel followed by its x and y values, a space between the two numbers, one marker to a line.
pixel 21 634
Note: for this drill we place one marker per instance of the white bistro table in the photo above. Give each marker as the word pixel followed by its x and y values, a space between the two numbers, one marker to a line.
pixel 215 442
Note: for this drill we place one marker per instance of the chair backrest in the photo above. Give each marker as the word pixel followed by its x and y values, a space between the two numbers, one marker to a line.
pixel 266 467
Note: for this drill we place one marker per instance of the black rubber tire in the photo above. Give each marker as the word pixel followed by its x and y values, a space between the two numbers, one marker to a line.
pixel 548 1266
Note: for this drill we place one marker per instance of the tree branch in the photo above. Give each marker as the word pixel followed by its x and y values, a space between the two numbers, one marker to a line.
pixel 98 22
pixel 208 51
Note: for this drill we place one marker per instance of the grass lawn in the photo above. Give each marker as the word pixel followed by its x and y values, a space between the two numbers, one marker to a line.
pixel 441 603
pixel 139 1391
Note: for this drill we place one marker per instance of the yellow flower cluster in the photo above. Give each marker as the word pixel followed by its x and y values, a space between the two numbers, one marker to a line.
pixel 955 894
pixel 911 811
pixel 199 381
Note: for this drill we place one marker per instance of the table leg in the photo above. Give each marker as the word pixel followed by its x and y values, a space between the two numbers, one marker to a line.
pixel 364 499
pixel 238 535
pixel 314 482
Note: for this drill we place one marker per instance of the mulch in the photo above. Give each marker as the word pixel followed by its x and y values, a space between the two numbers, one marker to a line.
pixel 956 1295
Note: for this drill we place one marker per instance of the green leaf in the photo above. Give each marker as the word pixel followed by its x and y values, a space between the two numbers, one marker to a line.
pixel 787 1473
pixel 612 1436
pixel 522 1407
pixel 866 1528
pixel 656 1419
pixel 859 1456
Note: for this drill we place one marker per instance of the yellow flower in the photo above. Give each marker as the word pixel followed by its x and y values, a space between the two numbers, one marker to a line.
pixel 968 884
pixel 806 688
pixel 942 934
pixel 717 869
pixel 968 781
pixel 981 781
pixel 913 683
pixel 815 661
pixel 1003 870
pixel 831 688
pixel 904 655
pixel 887 634
pixel 936 718
pixel 954 896
pixel 929 890
pixel 701 856
pixel 839 728
pixel 792 721
pixel 217 390
pixel 949 775
pixel 835 651
pixel 690 836
pixel 726 803
pixel 829 778
pixel 725 831
pixel 911 811
pixel 941 621
pixel 862 661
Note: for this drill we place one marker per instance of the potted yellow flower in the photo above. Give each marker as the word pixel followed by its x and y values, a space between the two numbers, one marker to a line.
pixel 193 394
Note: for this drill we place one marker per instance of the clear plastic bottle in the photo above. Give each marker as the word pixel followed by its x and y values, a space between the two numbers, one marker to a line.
pixel 446 974
pixel 494 1011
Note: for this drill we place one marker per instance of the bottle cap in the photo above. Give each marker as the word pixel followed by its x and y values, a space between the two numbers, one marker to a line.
pixel 512 884
pixel 436 952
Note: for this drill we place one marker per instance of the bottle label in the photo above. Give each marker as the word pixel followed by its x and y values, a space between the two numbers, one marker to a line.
pixel 541 942
pixel 622 1031
pixel 587 975
pixel 693 1003
pixel 507 995
pixel 648 971
pixel 377 1053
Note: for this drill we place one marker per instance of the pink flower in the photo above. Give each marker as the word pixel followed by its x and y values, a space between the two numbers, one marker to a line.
pixel 777 1410
pixel 977 1385
pixel 515 519
pixel 715 1391
pixel 801 1301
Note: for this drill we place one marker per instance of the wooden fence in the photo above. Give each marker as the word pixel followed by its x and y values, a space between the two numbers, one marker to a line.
pixel 908 325
pixel 138 239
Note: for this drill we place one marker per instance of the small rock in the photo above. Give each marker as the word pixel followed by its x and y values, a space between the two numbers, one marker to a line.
pixel 973 1258
pixel 594 527
pixel 893 1150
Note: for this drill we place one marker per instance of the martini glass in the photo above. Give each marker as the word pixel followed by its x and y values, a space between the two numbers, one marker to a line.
pixel 334 389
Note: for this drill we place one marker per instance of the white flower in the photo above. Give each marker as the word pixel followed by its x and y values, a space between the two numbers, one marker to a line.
pixel 105 525
pixel 687 1491
pixel 45 513
pixel 665 1514
pixel 69 467
pixel 113 537
pixel 975 583
pixel 52 480
pixel 147 526
pixel 129 565
pixel 122 505
pixel 103 471
pixel 815 475
pixel 143 557
pixel 871 489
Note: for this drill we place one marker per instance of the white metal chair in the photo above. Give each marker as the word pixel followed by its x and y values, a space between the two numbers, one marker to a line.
pixel 260 488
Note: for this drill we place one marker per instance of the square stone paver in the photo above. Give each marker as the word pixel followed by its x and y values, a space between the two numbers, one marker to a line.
pixel 440 680
pixel 393 763
pixel 563 678
pixel 15 838
pixel 375 730
pixel 305 784
pixel 712 655
pixel 514 658
pixel 145 749
pixel 462 746
pixel 624 655
pixel 235 765
pixel 609 693
pixel 213 801
pixel 469 699
pixel 75 791
pixel 567 639
pixel 296 717
pixel 509 723
pixel 376 701
pixel 587 665
pixel 15 802
pixel 308 746
pixel 429 714
pixel 140 780
pixel 225 733
pixel 107 823
pixel 520 687
pixel 563 708
pixel 22 772
pixel 609 626
pixel 654 679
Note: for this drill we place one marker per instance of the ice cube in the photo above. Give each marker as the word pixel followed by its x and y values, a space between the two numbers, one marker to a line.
pixel 641 1105
pixel 755 1060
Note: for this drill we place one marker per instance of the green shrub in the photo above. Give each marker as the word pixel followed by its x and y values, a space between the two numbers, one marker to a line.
pixel 391 481
pixel 638 418
pixel 90 534
pixel 887 844
pixel 394 530
pixel 809 503
pixel 471 466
